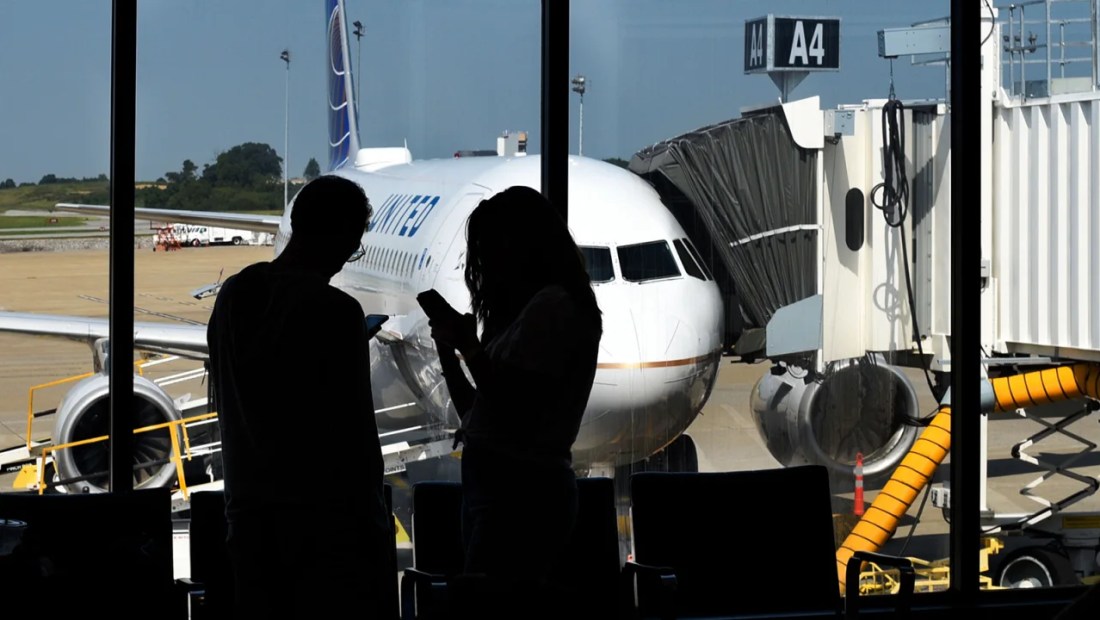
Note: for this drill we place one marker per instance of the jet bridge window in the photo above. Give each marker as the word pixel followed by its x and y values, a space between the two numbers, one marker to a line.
pixel 647 261
pixel 598 263
pixel 688 260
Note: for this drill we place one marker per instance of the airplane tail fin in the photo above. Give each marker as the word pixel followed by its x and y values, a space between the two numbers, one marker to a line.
pixel 343 129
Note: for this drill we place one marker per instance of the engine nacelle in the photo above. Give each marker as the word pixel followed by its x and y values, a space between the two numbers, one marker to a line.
pixel 858 407
pixel 84 414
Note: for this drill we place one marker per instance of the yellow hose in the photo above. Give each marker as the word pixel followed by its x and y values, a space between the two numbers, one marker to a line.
pixel 1030 389
pixel 1046 386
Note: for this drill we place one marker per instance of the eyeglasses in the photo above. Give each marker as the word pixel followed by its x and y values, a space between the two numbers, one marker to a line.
pixel 356 255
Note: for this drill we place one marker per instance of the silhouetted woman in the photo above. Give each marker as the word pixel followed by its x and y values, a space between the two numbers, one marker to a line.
pixel 533 368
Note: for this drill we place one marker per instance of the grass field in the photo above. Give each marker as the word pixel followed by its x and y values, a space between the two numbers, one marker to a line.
pixel 10 222
pixel 44 197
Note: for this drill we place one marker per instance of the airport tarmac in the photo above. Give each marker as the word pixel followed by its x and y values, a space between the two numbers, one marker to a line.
pixel 76 283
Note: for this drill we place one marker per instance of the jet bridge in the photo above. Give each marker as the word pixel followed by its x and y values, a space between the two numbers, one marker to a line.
pixel 744 191
pixel 838 294
pixel 781 201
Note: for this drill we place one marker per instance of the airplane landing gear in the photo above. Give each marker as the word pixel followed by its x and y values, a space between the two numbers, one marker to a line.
pixel 678 456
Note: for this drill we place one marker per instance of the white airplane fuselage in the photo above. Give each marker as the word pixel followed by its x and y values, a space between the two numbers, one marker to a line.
pixel 660 350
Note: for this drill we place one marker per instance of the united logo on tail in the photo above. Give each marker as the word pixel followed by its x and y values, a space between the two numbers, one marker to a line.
pixel 343 133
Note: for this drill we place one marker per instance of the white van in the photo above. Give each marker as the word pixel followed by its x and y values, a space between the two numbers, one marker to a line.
pixel 196 235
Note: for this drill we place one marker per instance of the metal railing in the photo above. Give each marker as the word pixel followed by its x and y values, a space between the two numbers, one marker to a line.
pixel 182 450
pixel 1057 39
pixel 932 576
pixel 139 365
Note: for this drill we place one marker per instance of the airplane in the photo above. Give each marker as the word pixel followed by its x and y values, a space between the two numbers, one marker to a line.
pixel 662 311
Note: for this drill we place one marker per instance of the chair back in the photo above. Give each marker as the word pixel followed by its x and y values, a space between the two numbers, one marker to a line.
pixel 211 566
pixel 588 569
pixel 436 530
pixel 93 553
pixel 736 539
pixel 210 562
pixel 584 577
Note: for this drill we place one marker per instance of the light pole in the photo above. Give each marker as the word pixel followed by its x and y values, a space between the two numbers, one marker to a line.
pixel 359 45
pixel 579 87
pixel 286 130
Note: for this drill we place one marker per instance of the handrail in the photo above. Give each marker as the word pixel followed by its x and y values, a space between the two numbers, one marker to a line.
pixel 1018 43
pixel 178 454
pixel 140 365
pixel 30 399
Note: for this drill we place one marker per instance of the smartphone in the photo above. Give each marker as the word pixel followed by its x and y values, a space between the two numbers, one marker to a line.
pixel 435 306
pixel 374 323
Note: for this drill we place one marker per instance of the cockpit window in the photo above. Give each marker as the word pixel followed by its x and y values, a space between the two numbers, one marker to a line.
pixel 598 263
pixel 698 258
pixel 647 261
pixel 688 261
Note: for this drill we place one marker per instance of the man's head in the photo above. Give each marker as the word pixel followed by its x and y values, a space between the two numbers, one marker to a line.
pixel 327 222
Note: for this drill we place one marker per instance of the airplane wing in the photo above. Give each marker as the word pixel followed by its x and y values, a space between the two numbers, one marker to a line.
pixel 242 221
pixel 397 329
pixel 183 340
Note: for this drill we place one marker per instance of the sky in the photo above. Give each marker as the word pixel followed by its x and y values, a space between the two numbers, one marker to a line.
pixel 435 75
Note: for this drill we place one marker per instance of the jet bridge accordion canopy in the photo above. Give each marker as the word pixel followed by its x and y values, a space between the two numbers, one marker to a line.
pixel 746 195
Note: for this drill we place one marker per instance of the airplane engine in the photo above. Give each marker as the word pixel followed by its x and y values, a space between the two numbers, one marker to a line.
pixel 83 414
pixel 859 406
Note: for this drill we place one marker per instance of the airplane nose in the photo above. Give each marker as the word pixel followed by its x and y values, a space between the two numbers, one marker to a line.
pixel 612 407
pixel 652 378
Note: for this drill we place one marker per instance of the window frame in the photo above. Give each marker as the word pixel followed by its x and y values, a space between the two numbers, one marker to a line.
pixel 964 588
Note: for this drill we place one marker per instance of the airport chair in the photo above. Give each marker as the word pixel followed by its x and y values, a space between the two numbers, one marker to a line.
pixel 210 586
pixel 586 577
pixel 438 552
pixel 93 554
pixel 583 582
pixel 736 543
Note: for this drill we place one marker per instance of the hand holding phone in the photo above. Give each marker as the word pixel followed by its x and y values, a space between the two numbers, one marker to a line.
pixel 436 307
pixel 374 323
pixel 449 326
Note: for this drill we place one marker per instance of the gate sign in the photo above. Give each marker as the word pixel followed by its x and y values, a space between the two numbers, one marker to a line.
pixel 792 44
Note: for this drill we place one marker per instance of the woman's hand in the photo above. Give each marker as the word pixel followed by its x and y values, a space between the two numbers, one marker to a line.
pixel 457 332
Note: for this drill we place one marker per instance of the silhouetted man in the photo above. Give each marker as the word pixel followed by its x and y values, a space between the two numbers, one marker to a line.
pixel 309 532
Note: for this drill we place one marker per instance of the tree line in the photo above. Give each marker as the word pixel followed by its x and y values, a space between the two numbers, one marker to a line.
pixel 247 177
pixel 51 179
